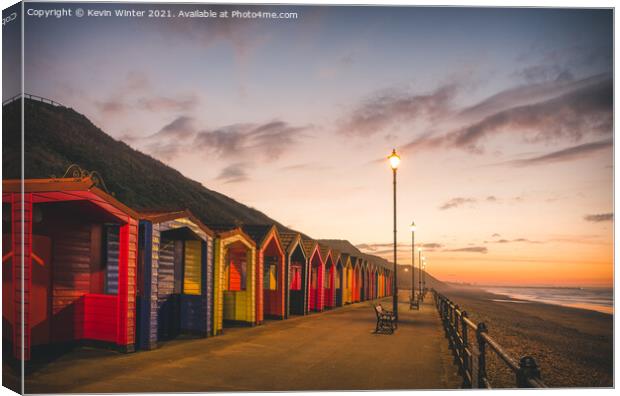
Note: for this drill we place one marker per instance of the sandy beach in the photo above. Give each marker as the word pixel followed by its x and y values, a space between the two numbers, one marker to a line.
pixel 573 347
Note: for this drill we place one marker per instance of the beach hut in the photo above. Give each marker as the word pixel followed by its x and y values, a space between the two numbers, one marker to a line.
pixel 316 273
pixel 374 282
pixel 356 262
pixel 297 265
pixel 348 279
pixel 338 278
pixel 79 265
pixel 329 289
pixel 270 272
pixel 364 277
pixel 234 282
pixel 175 267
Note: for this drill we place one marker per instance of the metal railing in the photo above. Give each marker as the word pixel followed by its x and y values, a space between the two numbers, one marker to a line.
pixel 472 359
pixel 33 97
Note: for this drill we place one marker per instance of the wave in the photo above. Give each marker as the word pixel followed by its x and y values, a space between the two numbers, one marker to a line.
pixel 596 299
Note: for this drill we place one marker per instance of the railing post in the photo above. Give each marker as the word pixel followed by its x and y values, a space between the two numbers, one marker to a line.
pixel 457 337
pixel 450 327
pixel 482 361
pixel 528 369
pixel 464 346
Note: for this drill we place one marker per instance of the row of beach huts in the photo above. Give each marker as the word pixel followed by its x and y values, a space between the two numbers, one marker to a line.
pixel 97 272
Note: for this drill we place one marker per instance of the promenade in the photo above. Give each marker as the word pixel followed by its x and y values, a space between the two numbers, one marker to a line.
pixel 335 350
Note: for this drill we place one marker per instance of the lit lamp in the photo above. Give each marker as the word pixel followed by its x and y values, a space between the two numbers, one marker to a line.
pixel 394 162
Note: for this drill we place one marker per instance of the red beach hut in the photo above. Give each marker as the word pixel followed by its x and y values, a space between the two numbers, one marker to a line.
pixel 329 284
pixel 338 278
pixel 79 265
pixel 357 278
pixel 316 271
pixel 270 272
pixel 297 270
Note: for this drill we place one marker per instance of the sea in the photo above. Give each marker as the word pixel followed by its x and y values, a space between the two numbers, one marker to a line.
pixel 599 299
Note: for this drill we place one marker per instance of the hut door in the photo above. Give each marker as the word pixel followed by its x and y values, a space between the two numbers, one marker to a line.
pixel 41 294
pixel 169 288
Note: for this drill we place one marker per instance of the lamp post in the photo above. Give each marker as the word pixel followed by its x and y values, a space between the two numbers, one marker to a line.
pixel 423 276
pixel 412 263
pixel 420 273
pixel 394 162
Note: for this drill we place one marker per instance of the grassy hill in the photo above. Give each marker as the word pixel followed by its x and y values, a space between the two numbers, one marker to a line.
pixel 56 137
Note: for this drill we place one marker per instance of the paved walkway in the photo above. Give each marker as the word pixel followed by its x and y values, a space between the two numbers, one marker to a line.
pixel 335 350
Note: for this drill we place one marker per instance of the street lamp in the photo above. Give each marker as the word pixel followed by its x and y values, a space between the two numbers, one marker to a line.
pixel 412 263
pixel 394 162
pixel 419 272
pixel 422 277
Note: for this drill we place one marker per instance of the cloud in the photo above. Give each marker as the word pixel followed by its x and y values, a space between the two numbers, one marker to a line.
pixel 181 127
pixel 306 166
pixel 599 218
pixel 385 109
pixel 161 103
pixel 570 116
pixel 519 240
pixel 269 140
pixel 496 235
pixel 135 92
pixel 164 150
pixel 431 245
pixel 473 249
pixel 234 173
pixel 568 154
pixel 456 202
pixel 527 94
pixel 112 107
pixel 383 248
pixel 491 198
pixel 545 72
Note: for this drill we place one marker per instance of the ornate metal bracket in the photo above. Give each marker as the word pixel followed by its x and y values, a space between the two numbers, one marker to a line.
pixel 75 171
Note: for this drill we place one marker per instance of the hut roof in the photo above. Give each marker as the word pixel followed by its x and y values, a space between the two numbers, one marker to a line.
pixel 325 250
pixel 66 184
pixel 308 245
pixel 346 248
pixel 258 232
pixel 162 216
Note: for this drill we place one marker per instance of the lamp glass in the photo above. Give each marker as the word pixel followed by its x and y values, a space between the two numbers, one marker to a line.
pixel 394 159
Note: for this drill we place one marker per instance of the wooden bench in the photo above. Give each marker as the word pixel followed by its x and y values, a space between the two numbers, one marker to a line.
pixel 386 320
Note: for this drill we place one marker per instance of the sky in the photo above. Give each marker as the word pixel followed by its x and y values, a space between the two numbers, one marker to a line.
pixel 502 117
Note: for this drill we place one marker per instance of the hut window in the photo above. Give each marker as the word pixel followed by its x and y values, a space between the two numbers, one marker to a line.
pixel 111 243
pixel 314 278
pixel 295 277
pixel 193 268
pixel 237 271
pixel 270 274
